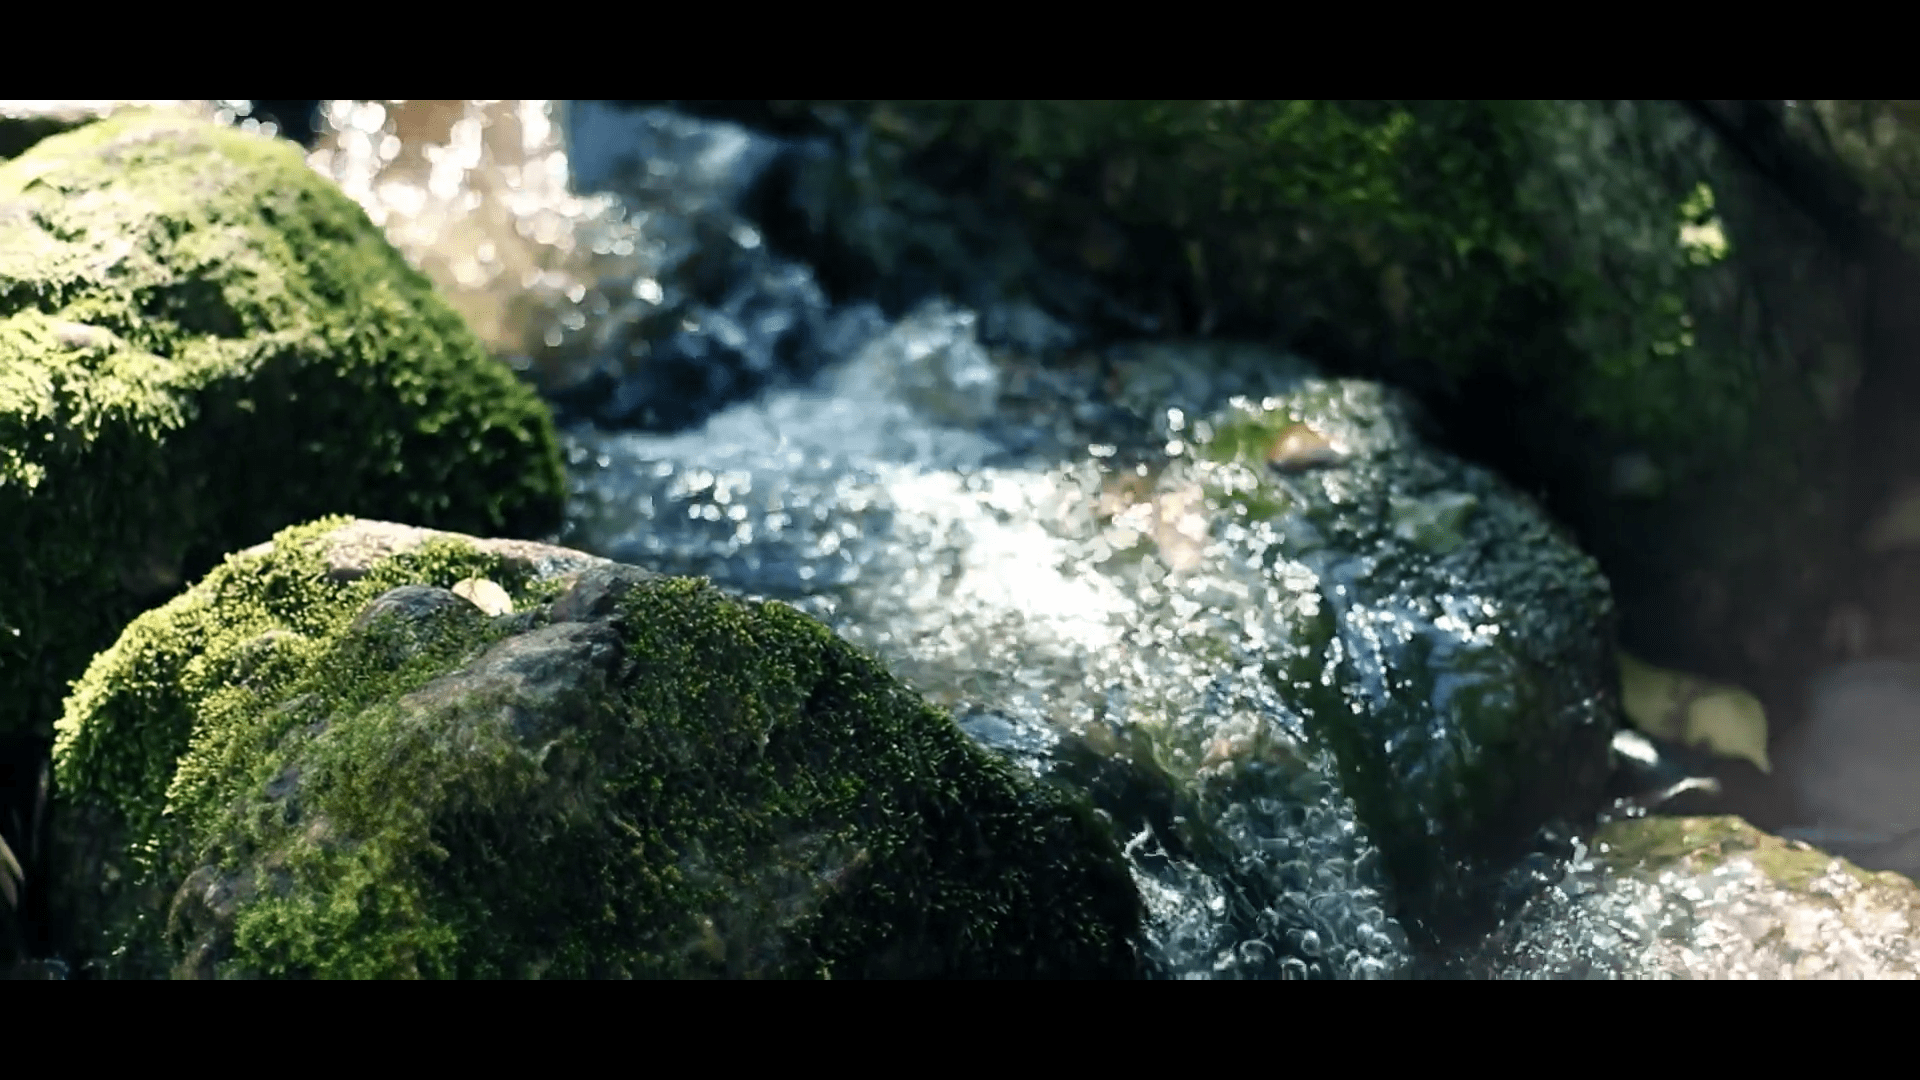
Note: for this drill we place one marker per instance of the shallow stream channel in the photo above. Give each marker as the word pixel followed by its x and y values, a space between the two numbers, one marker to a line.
pixel 1348 702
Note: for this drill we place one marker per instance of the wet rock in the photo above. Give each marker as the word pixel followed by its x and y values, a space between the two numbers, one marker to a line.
pixel 1451 646
pixel 1709 898
pixel 631 776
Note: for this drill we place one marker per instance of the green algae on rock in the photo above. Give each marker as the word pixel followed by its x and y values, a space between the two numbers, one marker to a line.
pixel 322 761
pixel 1796 912
pixel 203 341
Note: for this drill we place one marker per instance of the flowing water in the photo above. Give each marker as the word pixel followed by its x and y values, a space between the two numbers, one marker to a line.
pixel 1042 539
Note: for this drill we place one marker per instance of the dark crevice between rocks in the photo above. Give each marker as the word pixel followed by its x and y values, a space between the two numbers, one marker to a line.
pixel 298 121
pixel 26 927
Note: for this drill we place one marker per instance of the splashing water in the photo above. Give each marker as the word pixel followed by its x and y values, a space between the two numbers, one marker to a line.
pixel 1019 592
pixel 1061 551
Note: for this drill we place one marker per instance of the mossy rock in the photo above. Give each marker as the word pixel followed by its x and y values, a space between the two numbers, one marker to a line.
pixel 203 341
pixel 1705 898
pixel 327 760
pixel 1575 248
pixel 1715 898
pixel 1651 845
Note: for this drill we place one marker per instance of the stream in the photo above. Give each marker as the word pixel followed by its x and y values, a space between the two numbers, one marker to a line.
pixel 1025 521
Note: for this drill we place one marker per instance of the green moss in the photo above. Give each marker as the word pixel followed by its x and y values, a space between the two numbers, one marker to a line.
pixel 1652 844
pixel 203 341
pixel 303 791
pixel 1537 241
pixel 172 706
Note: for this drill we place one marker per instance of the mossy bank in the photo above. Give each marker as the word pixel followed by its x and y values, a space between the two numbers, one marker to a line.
pixel 203 341
pixel 332 758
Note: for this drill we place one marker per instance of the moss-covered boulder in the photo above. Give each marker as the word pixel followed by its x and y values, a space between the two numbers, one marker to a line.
pixel 367 750
pixel 203 341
